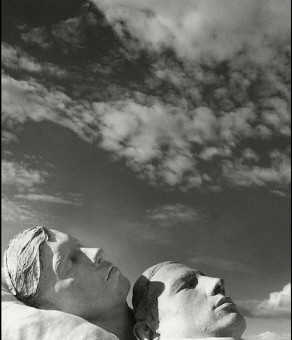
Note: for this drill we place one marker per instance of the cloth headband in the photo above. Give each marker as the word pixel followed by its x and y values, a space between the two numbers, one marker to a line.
pixel 22 266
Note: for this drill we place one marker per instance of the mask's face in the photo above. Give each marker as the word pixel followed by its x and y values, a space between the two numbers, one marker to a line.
pixel 195 305
pixel 78 280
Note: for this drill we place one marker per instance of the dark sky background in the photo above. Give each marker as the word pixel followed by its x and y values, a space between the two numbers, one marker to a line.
pixel 157 131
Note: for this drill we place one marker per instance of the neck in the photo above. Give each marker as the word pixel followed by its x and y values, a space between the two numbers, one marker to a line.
pixel 120 323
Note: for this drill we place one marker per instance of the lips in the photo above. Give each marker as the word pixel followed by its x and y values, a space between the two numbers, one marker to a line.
pixel 109 273
pixel 224 300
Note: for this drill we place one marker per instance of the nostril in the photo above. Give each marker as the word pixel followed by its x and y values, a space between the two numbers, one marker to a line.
pixel 97 260
pixel 219 289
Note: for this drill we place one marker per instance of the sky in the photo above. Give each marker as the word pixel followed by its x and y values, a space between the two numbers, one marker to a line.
pixel 156 130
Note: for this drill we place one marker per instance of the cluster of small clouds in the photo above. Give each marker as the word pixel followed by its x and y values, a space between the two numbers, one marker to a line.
pixel 201 129
pixel 157 140
pixel 278 305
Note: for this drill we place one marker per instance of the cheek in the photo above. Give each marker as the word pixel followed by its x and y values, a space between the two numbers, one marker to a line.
pixel 184 315
pixel 64 286
pixel 188 306
pixel 189 300
pixel 174 314
pixel 76 286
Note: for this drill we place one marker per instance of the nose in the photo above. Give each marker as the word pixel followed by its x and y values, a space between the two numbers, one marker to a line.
pixel 94 254
pixel 213 286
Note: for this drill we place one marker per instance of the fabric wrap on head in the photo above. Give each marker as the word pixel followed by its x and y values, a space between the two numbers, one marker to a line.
pixel 22 265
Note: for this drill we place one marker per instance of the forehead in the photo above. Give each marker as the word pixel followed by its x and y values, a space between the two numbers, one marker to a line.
pixel 57 243
pixel 58 236
pixel 172 272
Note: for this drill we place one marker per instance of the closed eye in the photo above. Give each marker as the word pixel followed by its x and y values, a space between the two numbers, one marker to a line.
pixel 72 260
pixel 190 283
pixel 75 256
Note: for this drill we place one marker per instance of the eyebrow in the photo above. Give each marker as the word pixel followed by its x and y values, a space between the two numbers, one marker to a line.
pixel 78 243
pixel 62 257
pixel 182 279
pixel 60 263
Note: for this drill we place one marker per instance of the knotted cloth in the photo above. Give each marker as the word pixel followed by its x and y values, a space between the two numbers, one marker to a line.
pixel 22 265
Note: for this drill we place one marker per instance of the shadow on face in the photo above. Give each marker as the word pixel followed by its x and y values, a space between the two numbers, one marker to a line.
pixel 145 303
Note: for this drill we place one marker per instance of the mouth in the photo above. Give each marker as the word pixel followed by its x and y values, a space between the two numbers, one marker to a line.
pixel 225 301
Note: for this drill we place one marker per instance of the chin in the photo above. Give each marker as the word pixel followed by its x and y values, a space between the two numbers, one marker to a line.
pixel 241 326
pixel 234 327
pixel 124 285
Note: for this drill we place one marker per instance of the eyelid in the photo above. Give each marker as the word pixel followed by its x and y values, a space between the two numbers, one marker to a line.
pixel 62 266
pixel 58 265
pixel 68 263
pixel 75 254
pixel 188 281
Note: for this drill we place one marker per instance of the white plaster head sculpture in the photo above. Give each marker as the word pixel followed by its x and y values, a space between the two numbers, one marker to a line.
pixel 48 269
pixel 171 300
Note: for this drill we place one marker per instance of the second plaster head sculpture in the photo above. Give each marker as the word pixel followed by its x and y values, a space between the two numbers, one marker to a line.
pixel 49 269
pixel 171 300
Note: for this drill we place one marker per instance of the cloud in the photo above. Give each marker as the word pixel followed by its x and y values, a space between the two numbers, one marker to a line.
pixel 21 176
pixel 16 59
pixel 279 193
pixel 8 137
pixel 222 264
pixel 278 305
pixel 44 198
pixel 25 187
pixel 173 214
pixel 69 33
pixel 202 29
pixel 12 211
pixel 279 172
pixel 152 226
pixel 142 232
pixel 30 100
pixel 269 336
pixel 37 36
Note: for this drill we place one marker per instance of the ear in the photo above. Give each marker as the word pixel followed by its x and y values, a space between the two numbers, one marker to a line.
pixel 143 331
